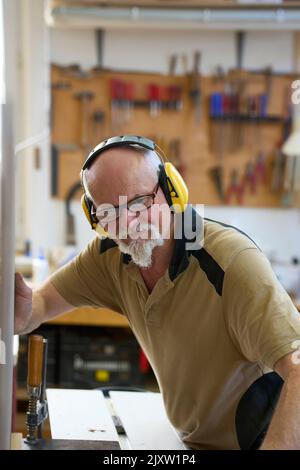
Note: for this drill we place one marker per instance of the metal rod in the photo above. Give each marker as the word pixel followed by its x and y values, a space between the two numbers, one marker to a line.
pixel 7 277
pixel 8 14
pixel 99 46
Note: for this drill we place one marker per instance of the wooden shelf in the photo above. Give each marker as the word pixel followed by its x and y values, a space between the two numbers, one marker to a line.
pixel 89 316
pixel 246 118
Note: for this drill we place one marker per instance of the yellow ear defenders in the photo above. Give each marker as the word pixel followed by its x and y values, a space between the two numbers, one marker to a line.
pixel 170 180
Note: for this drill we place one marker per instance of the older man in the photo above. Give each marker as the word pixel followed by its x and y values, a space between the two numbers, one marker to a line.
pixel 219 330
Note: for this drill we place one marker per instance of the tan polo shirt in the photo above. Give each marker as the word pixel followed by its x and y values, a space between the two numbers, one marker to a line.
pixel 212 328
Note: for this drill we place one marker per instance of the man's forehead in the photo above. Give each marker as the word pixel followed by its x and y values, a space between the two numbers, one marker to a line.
pixel 120 161
pixel 109 191
pixel 121 172
pixel 117 155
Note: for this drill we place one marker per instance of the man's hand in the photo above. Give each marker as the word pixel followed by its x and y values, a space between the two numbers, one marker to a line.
pixel 23 304
pixel 33 307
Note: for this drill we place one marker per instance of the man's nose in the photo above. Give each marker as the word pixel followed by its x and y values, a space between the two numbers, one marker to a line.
pixel 126 217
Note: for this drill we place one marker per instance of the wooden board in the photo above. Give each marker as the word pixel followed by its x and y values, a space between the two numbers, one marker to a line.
pixel 16 441
pixel 145 421
pixel 89 316
pixel 80 414
pixel 176 3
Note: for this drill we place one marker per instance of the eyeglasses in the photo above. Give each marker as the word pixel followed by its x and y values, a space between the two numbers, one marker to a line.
pixel 106 213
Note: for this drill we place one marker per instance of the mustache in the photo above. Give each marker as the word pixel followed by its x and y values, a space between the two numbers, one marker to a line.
pixel 141 253
pixel 135 232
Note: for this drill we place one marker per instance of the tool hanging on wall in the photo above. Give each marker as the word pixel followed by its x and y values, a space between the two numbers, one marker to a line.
pixel 98 119
pixel 129 104
pixel 154 93
pixel 216 173
pixel 278 171
pixel 216 111
pixel 174 92
pixel 85 97
pixel 260 168
pixel 195 86
pixel 62 85
pixel 174 97
pixel 173 64
pixel 235 189
pixel 291 180
pixel 175 155
pixel 116 92
pixel 249 179
pixel 122 102
pixel 268 93
pixel 231 111
pixel 240 37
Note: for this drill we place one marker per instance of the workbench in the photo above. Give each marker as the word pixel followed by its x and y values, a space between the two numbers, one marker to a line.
pixel 87 415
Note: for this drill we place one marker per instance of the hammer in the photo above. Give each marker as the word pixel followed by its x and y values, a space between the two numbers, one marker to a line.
pixel 85 96
pixel 62 86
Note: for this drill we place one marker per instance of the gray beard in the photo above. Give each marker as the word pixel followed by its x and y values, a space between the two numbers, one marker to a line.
pixel 141 250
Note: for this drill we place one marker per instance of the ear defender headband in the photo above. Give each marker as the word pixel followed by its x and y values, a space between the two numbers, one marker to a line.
pixel 170 180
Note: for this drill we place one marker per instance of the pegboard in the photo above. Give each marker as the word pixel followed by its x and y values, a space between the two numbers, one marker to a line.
pixel 196 147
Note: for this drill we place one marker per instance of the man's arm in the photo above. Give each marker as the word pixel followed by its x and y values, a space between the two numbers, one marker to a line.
pixel 33 307
pixel 284 430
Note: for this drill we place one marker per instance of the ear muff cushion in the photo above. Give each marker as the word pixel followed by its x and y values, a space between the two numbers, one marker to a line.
pixel 87 205
pixel 163 183
pixel 177 188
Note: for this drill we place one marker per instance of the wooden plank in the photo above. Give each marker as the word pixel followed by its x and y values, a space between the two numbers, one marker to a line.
pixel 224 4
pixel 80 414
pixel 16 442
pixel 89 316
pixel 145 421
pixel 145 3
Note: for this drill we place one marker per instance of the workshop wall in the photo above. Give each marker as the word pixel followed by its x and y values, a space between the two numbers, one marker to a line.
pixel 147 52
pixel 143 51
pixel 136 51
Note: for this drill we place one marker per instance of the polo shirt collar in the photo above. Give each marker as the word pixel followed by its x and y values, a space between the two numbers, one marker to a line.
pixel 180 257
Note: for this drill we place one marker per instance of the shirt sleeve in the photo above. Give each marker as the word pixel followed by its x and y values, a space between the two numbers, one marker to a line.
pixel 86 280
pixel 261 317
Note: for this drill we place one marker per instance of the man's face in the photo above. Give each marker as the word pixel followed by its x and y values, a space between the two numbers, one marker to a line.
pixel 142 217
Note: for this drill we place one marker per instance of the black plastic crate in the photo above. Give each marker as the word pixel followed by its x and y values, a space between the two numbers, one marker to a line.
pixel 95 357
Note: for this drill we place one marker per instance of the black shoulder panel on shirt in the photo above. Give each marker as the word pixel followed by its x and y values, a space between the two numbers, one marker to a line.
pixel 212 269
pixel 255 410
pixel 105 244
